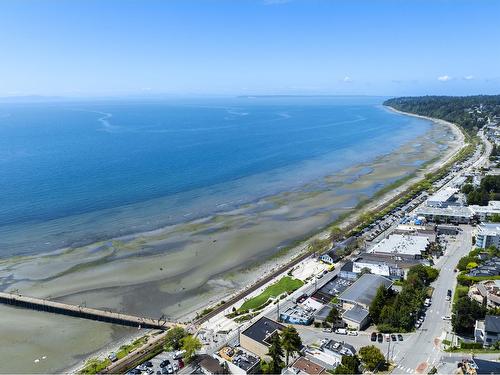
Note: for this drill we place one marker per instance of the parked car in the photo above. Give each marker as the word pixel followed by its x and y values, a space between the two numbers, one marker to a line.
pixel 112 357
pixel 170 369
pixel 176 367
pixel 400 337
pixel 327 330
pixel 341 331
pixel 380 338
pixel 394 338
pixel 164 363
pixel 374 336
pixel 387 337
pixel 352 333
pixel 148 364
pixel 179 354
pixel 446 317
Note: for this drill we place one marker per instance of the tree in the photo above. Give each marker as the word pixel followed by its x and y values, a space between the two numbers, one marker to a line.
pixel 378 304
pixel 372 357
pixel 333 315
pixel 335 234
pixel 495 218
pixel 190 345
pixel 173 338
pixel 364 270
pixel 290 341
pixel 276 354
pixel 348 365
pixel 465 315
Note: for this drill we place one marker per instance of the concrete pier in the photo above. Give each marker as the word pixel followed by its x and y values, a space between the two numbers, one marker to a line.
pixel 83 312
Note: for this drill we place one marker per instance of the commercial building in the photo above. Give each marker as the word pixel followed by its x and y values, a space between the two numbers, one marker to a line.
pixel 239 361
pixel 356 318
pixel 488 235
pixel 256 338
pixel 297 314
pixel 487 331
pixel 402 245
pixel 450 214
pixel 485 213
pixel 363 291
pixel 330 353
pixel 442 198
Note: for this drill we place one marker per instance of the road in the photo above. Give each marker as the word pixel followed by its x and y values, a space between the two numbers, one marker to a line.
pixel 421 350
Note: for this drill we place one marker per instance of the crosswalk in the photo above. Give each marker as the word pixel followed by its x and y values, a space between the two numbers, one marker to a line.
pixel 405 369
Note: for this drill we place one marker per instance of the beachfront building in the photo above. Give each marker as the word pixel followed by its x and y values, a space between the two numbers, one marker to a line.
pixel 488 235
pixel 450 214
pixel 442 198
pixel 403 245
pixel 484 213
pixel 256 338
pixel 329 257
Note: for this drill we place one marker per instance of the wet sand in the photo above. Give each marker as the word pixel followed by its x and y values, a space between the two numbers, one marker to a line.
pixel 178 269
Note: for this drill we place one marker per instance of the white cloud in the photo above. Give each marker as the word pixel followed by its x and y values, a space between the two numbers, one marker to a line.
pixel 347 79
pixel 468 78
pixel 444 78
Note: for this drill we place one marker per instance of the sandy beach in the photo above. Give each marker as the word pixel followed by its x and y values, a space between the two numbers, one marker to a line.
pixel 179 269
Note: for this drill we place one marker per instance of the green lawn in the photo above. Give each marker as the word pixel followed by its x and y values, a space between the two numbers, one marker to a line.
pixel 286 285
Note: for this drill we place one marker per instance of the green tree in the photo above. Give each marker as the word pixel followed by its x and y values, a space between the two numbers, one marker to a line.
pixel 173 338
pixel 378 304
pixel 190 345
pixel 336 234
pixel 333 315
pixel 291 342
pixel 276 354
pixel 465 314
pixel 348 365
pixel 372 357
pixel 495 218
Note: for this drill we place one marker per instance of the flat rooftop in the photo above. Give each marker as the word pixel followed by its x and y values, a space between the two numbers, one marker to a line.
pixel 451 211
pixel 442 195
pixel 401 244
pixel 262 329
pixel 489 229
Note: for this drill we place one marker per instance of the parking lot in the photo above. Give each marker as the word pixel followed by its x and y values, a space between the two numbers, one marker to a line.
pixel 163 363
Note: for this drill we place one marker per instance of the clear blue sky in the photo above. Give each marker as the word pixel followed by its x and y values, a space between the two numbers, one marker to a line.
pixel 120 47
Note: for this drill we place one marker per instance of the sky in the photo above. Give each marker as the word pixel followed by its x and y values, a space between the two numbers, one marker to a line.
pixel 249 47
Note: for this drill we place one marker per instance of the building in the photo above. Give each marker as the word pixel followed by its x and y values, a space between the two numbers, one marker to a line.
pixel 491 267
pixel 330 353
pixel 239 361
pixel 488 235
pixel 487 331
pixel 486 291
pixel 402 245
pixel 256 338
pixel 442 198
pixel 329 257
pixel 484 213
pixel 363 291
pixel 417 230
pixel 297 314
pixel 356 318
pixel 450 214
pixel 304 366
pixel 211 366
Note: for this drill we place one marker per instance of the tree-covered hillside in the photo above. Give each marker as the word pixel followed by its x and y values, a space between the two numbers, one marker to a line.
pixel 470 112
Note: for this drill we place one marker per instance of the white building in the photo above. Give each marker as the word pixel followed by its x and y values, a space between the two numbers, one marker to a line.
pixel 450 214
pixel 487 235
pixel 402 244
pixel 485 212
pixel 442 198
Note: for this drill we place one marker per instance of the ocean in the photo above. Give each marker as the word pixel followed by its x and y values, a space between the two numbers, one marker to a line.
pixel 75 172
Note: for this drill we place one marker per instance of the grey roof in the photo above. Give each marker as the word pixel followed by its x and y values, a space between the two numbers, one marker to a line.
pixel 261 329
pixel 347 267
pixel 492 323
pixel 363 291
pixel 323 312
pixel 356 314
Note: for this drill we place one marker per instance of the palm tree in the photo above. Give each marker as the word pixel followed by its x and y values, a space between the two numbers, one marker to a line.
pixel 291 341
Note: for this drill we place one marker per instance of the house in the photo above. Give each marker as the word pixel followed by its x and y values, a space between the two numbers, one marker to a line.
pixel 211 366
pixel 329 257
pixel 363 291
pixel 330 353
pixel 356 318
pixel 304 366
pixel 488 235
pixel 490 267
pixel 487 331
pixel 256 338
pixel 403 245
pixel 486 291
pixel 450 214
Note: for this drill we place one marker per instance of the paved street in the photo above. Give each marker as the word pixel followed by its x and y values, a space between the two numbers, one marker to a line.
pixel 421 351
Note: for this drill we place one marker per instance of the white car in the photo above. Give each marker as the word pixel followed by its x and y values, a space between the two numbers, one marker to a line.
pixel 341 331
pixel 327 330
pixel 446 317
pixel 352 333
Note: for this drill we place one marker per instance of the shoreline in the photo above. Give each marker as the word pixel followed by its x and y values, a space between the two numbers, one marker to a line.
pixel 296 251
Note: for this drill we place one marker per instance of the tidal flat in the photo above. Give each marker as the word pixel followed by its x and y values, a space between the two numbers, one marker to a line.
pixel 178 269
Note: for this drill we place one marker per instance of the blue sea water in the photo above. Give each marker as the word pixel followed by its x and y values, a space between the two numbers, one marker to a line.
pixel 75 172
